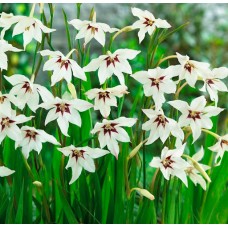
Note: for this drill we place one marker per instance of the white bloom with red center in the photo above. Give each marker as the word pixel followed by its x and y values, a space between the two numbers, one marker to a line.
pixel 32 139
pixel 4 47
pixel 5 103
pixel 8 125
pixel 196 115
pixel 105 98
pixel 147 23
pixel 111 131
pixel 91 29
pixel 193 173
pixel 171 163
pixel 190 70
pixel 62 66
pixel 112 63
pixel 4 171
pixel 156 82
pixel 81 158
pixel 31 28
pixel 213 83
pixel 27 92
pixel 160 126
pixel 220 147
pixel 65 111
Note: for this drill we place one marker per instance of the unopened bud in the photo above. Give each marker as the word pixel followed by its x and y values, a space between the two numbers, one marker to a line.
pixel 144 193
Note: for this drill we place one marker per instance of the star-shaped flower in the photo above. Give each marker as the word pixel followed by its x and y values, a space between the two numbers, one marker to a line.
pixel 111 131
pixel 81 157
pixel 65 111
pixel 31 28
pixel 32 139
pixel 190 70
pixel 147 23
pixel 213 83
pixel 193 173
pixel 27 92
pixel 112 63
pixel 156 82
pixel 91 29
pixel 160 126
pixel 196 115
pixel 171 163
pixel 220 147
pixel 62 66
pixel 8 125
pixel 105 98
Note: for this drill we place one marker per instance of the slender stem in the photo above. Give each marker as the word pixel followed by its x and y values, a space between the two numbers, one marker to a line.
pixel 153 180
pixel 211 133
pixel 166 58
pixel 179 90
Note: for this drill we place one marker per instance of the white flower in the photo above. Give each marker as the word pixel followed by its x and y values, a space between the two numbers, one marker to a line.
pixel 65 111
pixel 6 21
pixel 196 115
pixel 27 92
pixel 4 47
pixel 91 29
pixel 213 84
pixel 31 28
pixel 190 70
pixel 111 131
pixel 220 147
pixel 62 66
pixel 147 23
pixel 171 163
pixel 193 173
pixel 32 139
pixel 8 125
pixel 112 63
pixel 81 157
pixel 156 82
pixel 160 126
pixel 105 98
pixel 4 171
pixel 5 103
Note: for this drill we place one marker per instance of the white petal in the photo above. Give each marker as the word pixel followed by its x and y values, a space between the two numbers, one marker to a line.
pixel 4 171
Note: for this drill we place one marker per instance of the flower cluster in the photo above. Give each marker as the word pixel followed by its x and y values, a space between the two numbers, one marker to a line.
pixel 157 82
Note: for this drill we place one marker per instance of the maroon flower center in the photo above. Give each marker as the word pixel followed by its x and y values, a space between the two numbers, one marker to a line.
pixel 62 107
pixel 77 154
pixel 148 22
pixel 167 162
pixel 188 66
pixel 93 29
pixel 6 122
pixel 161 120
pixel 223 142
pixel 110 60
pixel 194 115
pixel 28 28
pixel 31 134
pixel 63 63
pixel 109 128
pixel 27 87
pixel 156 81
pixel 2 99
pixel 103 95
